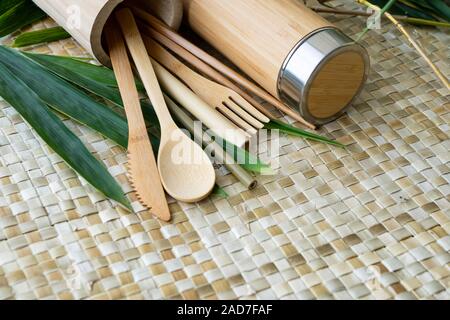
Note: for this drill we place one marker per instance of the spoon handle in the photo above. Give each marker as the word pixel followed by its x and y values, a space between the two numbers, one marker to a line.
pixel 144 67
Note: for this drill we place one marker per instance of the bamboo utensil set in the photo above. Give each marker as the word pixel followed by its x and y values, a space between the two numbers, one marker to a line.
pixel 191 181
pixel 305 67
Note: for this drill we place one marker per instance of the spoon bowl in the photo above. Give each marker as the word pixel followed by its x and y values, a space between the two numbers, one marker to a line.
pixel 186 172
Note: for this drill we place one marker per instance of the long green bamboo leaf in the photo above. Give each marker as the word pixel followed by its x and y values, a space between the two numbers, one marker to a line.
pixel 96 83
pixel 290 130
pixel 411 8
pixel 65 98
pixel 21 15
pixel 87 76
pixel 5 5
pixel 441 8
pixel 427 22
pixel 93 79
pixel 423 6
pixel 52 130
pixel 83 73
pixel 422 3
pixel 244 158
pixel 40 36
pixel 83 69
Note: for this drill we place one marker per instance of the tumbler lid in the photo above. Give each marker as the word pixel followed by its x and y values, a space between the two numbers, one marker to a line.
pixel 323 74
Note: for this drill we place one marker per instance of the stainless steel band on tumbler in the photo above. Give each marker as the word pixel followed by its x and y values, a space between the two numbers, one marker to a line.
pixel 303 64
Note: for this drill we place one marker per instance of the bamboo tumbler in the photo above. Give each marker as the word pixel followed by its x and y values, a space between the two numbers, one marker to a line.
pixel 290 51
pixel 86 19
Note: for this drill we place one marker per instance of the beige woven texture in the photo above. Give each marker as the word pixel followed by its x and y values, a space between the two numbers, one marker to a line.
pixel 369 222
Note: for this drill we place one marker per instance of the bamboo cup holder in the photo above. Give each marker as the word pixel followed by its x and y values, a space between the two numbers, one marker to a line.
pixel 85 20
pixel 289 50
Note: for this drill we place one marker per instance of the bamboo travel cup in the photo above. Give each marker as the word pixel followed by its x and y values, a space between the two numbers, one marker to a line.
pixel 86 19
pixel 292 52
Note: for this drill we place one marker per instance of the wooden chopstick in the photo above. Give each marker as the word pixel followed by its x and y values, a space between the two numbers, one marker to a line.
pixel 219 66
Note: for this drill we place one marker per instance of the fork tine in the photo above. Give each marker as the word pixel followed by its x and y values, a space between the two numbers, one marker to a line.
pixel 249 108
pixel 239 110
pixel 237 120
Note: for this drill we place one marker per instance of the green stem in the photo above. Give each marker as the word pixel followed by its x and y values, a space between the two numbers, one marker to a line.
pixel 426 22
pixel 381 13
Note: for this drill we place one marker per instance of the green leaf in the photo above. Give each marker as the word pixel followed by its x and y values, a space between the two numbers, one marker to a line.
pixel 423 6
pixel 424 22
pixel 40 36
pixel 83 77
pixel 293 131
pixel 5 5
pixel 88 76
pixel 52 130
pixel 80 66
pixel 19 16
pixel 220 192
pixel 98 80
pixel 65 98
pixel 412 10
pixel 422 3
pixel 244 158
pixel 441 8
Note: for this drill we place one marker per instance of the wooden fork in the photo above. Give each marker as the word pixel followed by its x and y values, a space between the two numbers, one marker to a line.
pixel 226 101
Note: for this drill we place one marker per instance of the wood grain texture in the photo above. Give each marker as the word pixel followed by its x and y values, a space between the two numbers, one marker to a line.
pixel 142 168
pixel 169 11
pixel 336 84
pixel 256 35
pixel 186 172
pixel 86 19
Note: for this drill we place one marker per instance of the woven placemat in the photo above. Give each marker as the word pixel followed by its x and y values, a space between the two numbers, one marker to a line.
pixel 369 222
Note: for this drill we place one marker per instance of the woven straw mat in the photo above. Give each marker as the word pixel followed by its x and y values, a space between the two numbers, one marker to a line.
pixel 368 222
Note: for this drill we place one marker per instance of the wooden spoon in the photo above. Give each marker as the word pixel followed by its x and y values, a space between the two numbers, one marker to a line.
pixel 186 172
